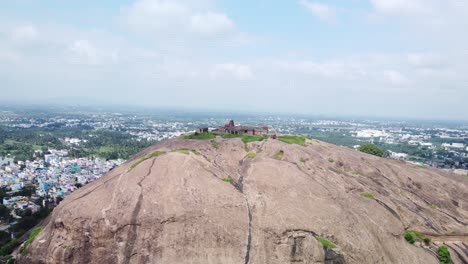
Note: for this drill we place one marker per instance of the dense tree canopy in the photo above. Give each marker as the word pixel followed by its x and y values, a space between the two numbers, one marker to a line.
pixel 371 149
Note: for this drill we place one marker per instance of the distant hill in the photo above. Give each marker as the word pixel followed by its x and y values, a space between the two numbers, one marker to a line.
pixel 226 201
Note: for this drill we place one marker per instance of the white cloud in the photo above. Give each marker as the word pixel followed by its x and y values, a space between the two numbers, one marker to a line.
pixel 425 60
pixel 232 70
pixel 211 24
pixel 402 7
pixel 323 12
pixel 432 13
pixel 86 53
pixel 428 25
pixel 342 70
pixel 175 17
pixel 157 15
pixel 394 77
pixel 23 33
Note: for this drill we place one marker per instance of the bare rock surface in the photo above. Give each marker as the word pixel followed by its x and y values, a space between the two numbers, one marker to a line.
pixel 196 201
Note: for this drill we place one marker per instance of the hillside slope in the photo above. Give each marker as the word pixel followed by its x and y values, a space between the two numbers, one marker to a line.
pixel 194 201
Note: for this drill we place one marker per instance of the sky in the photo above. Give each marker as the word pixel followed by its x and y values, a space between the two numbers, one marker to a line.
pixel 389 58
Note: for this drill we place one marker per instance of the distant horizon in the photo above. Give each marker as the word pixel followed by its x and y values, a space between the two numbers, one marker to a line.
pixel 126 108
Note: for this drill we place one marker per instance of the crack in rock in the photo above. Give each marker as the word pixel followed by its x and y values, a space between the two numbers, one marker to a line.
pixel 132 232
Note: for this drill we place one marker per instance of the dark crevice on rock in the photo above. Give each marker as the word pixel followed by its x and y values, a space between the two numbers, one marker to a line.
pixel 432 252
pixel 465 249
pixel 122 227
pixel 310 176
pixel 417 212
pixel 333 256
pixel 239 185
pixel 388 208
pixel 249 236
pixel 301 230
pixel 132 232
pixel 453 217
pixel 463 259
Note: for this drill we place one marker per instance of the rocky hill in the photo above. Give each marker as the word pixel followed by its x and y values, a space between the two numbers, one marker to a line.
pixel 223 201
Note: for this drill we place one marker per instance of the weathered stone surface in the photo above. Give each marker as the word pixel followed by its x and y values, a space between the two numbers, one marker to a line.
pixel 176 208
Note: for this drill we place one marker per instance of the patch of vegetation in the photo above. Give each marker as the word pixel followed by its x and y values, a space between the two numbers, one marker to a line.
pixel 421 167
pixel 299 140
pixel 208 159
pixel 215 144
pixel 251 155
pixel 372 149
pixel 246 147
pixel 34 233
pixel 326 242
pixel 149 156
pixel 355 173
pixel 413 236
pixel 331 160
pixel 194 151
pixel 368 195
pixel 426 240
pixel 200 136
pixel 433 206
pixel 410 237
pixel 245 138
pixel 230 180
pixel 8 248
pixel 302 160
pixel 444 255
pixel 8 260
pixel 183 151
pixel 279 155
pixel 186 151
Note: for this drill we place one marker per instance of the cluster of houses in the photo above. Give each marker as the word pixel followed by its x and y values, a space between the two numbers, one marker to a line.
pixel 53 176
pixel 21 202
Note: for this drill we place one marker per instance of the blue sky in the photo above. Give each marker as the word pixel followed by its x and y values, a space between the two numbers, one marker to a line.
pixel 397 58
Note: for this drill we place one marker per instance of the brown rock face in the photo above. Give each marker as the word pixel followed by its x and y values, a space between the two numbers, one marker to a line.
pixel 182 207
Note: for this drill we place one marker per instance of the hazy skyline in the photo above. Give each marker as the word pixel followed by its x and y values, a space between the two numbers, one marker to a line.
pixel 401 58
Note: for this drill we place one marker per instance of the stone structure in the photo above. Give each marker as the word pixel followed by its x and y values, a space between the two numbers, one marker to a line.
pixel 231 128
pixel 202 130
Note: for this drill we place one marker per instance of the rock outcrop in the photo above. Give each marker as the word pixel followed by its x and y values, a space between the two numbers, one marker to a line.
pixel 194 201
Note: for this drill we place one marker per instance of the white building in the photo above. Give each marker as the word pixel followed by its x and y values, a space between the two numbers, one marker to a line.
pixel 396 155
pixel 371 133
pixel 456 146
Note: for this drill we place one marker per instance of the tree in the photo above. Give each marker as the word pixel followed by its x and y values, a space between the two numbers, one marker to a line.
pixel 3 193
pixel 27 191
pixel 371 149
pixel 4 212
pixel 9 247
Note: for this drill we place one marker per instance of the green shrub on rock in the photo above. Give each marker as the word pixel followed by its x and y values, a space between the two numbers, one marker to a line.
pixel 414 236
pixel 409 236
pixel 326 242
pixel 371 149
pixel 444 255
